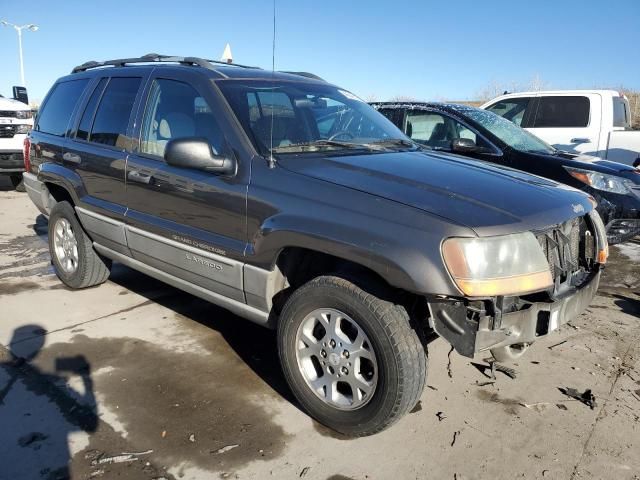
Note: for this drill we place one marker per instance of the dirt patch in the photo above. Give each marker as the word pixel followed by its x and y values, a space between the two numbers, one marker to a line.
pixel 510 405
pixel 11 288
pixel 31 253
pixel 183 406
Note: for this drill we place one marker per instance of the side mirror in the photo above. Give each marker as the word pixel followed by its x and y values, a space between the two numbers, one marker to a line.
pixel 196 153
pixel 464 145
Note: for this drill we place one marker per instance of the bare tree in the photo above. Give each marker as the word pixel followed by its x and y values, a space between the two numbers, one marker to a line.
pixel 403 99
pixel 495 88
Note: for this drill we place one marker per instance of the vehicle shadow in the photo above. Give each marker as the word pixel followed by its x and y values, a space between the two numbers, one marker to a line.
pixel 628 305
pixel 39 409
pixel 254 344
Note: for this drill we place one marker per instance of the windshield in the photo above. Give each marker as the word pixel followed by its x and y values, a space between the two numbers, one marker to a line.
pixel 291 117
pixel 514 136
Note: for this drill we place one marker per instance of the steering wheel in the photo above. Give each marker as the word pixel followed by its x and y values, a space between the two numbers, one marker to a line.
pixel 349 135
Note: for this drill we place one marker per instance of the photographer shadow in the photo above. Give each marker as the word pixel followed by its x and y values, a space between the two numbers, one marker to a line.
pixel 40 415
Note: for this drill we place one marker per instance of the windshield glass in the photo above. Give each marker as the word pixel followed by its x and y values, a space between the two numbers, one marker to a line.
pixel 514 136
pixel 291 117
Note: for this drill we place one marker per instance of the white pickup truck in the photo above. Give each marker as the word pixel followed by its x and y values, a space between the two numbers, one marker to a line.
pixel 594 122
pixel 16 120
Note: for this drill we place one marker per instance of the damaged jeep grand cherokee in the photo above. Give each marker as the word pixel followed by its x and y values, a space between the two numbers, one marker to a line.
pixel 292 203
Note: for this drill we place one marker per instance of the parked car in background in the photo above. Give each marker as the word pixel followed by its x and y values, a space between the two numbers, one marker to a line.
pixel 483 135
pixel 291 202
pixel 16 120
pixel 593 122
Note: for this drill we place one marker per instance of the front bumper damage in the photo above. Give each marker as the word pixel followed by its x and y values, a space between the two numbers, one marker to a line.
pixel 573 251
pixel 469 333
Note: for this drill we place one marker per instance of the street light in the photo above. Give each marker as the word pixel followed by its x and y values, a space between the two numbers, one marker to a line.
pixel 19 29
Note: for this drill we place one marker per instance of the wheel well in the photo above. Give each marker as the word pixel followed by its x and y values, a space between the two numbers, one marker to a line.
pixel 300 265
pixel 60 194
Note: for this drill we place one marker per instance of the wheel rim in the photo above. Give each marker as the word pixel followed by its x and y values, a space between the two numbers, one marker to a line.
pixel 65 245
pixel 336 359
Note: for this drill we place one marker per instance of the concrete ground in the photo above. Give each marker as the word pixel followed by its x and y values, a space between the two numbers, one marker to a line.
pixel 137 380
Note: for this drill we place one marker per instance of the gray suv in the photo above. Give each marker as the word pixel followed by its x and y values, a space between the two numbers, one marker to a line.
pixel 291 202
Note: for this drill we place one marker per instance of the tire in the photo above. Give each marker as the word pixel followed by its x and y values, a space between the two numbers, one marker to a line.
pixel 89 268
pixel 509 353
pixel 394 376
pixel 17 182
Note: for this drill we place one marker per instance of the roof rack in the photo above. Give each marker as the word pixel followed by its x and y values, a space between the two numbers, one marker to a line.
pixel 305 74
pixel 156 58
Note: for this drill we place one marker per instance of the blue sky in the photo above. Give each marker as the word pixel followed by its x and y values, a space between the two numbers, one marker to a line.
pixel 423 49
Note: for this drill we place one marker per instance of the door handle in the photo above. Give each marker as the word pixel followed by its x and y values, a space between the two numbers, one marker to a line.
pixel 71 158
pixel 136 176
pixel 580 140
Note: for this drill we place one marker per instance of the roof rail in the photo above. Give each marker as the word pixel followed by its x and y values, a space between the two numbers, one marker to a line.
pixel 156 58
pixel 305 74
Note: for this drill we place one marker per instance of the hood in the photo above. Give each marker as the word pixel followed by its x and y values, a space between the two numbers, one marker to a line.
pixel 489 199
pixel 11 104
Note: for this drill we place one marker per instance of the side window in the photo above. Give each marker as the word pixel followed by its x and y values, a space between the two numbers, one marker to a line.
pixel 620 113
pixel 87 117
pixel 562 112
pixel 112 117
pixel 427 128
pixel 176 110
pixel 513 109
pixel 56 112
pixel 437 131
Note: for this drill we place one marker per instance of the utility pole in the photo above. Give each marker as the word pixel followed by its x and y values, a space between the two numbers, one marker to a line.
pixel 18 28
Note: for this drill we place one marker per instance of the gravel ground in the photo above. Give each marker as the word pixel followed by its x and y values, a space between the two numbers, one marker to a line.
pixel 137 380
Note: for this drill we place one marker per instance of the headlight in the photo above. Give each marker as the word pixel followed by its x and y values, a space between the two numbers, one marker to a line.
pixel 24 114
pixel 23 128
pixel 505 265
pixel 600 181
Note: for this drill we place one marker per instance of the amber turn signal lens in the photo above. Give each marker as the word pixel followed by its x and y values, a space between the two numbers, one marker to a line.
pixel 602 256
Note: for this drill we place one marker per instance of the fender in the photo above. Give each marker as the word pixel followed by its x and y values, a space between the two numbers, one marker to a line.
pixel 65 178
pixel 407 257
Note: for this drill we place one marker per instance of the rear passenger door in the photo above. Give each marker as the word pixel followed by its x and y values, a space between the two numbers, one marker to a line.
pixel 97 151
pixel 186 222
pixel 570 123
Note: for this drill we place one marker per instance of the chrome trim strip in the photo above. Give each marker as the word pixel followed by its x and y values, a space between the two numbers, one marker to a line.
pixel 183 246
pixel 97 216
pixel 241 309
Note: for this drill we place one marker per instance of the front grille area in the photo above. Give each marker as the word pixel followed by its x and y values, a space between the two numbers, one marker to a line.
pixel 8 113
pixel 7 131
pixel 11 160
pixel 570 249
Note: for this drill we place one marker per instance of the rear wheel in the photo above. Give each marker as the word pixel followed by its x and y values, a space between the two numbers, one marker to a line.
pixel 351 359
pixel 76 263
pixel 18 184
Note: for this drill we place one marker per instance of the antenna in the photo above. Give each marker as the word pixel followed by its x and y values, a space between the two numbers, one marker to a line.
pixel 272 161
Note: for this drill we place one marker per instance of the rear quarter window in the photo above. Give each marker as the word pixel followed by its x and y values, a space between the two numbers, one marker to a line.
pixel 513 109
pixel 562 112
pixel 56 112
pixel 620 113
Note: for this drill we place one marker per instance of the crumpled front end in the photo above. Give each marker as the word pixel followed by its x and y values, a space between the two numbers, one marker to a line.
pixel 575 252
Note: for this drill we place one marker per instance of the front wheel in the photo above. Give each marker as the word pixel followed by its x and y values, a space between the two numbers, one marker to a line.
pixel 351 359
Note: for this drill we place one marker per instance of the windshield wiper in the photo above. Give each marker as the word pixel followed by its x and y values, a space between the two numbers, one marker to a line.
pixel 396 141
pixel 322 143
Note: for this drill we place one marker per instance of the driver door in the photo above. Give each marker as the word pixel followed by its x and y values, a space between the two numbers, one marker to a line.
pixel 186 222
